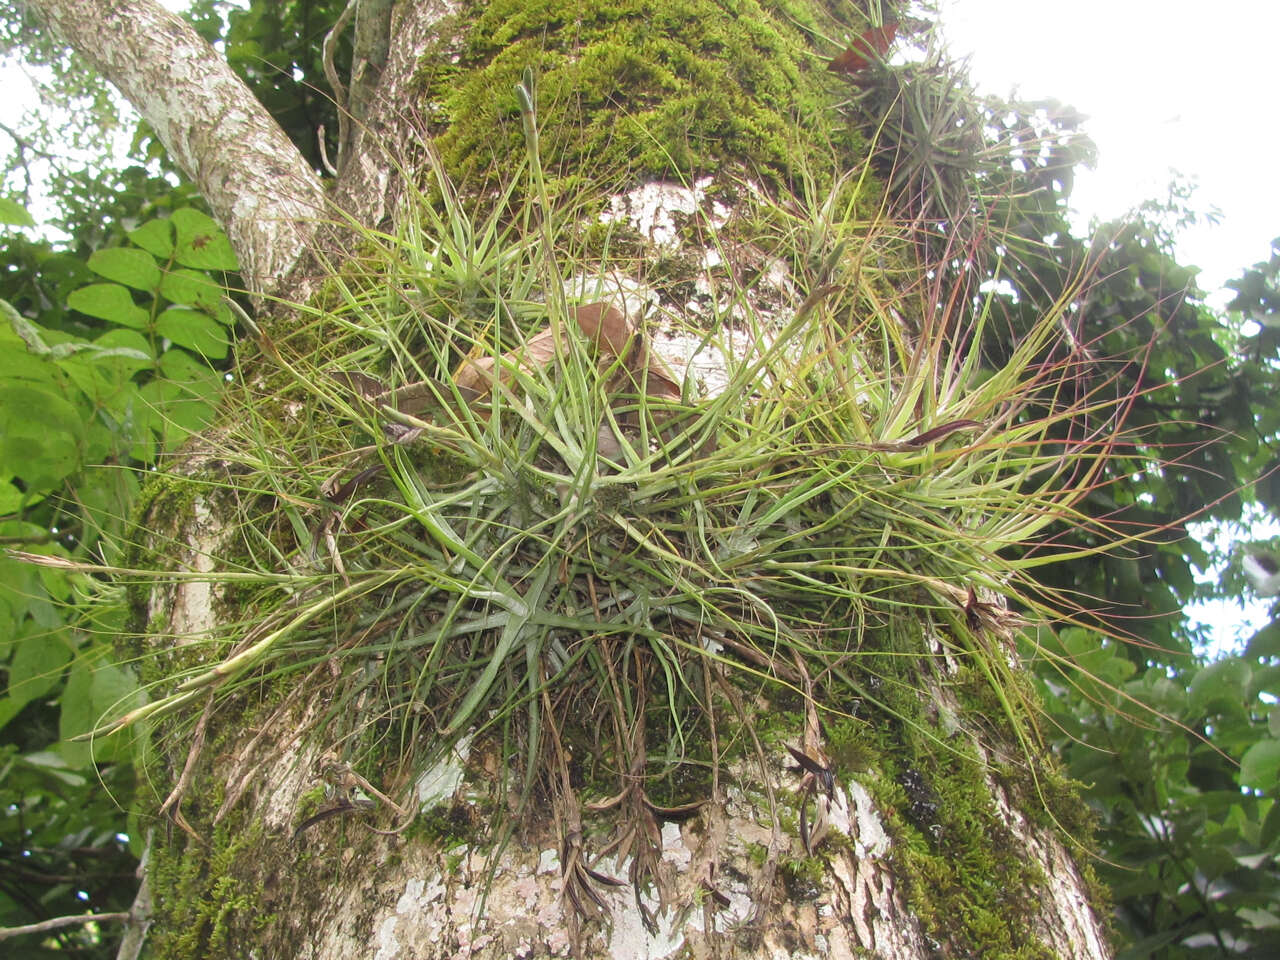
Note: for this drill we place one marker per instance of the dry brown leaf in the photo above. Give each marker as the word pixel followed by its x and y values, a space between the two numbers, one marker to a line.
pixel 872 45
pixel 477 374
pixel 605 326
pixel 607 329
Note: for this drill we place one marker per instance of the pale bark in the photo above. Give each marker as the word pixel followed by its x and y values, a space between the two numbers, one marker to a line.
pixel 383 136
pixel 254 179
pixel 440 904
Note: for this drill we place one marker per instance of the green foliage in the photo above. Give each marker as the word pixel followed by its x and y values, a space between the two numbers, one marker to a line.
pixel 97 379
pixel 109 346
pixel 1175 750
pixel 1189 838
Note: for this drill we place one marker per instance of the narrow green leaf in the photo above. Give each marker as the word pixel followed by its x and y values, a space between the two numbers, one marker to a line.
pixel 108 301
pixel 133 268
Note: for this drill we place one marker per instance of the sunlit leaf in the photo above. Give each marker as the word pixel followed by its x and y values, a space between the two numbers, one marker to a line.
pixel 133 268
pixel 40 435
pixel 1227 679
pixel 109 301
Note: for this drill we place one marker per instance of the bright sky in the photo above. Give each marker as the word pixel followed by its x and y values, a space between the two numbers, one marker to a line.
pixel 1169 85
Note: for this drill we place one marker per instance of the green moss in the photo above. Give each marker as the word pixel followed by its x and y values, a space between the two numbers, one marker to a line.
pixel 310 802
pixel 964 874
pixel 204 896
pixel 851 750
pixel 633 89
pixel 448 824
pixel 804 879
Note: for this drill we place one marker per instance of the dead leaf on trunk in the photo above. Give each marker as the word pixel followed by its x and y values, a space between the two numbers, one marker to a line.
pixel 612 336
pixel 872 45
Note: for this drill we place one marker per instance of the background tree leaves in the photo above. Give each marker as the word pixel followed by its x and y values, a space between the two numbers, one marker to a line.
pixel 97 380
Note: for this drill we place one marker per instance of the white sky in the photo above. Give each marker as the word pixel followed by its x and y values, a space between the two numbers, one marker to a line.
pixel 1171 85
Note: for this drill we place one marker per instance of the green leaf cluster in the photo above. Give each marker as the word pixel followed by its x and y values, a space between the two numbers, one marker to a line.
pixel 107 361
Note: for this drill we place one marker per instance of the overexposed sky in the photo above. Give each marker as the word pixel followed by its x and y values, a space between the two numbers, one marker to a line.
pixel 1168 86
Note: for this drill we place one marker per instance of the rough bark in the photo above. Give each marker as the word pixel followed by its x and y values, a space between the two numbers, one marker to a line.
pixel 254 179
pixel 735 879
pixel 382 134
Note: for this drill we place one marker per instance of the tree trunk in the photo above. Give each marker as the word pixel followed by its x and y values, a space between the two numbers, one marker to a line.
pixel 298 829
pixel 251 175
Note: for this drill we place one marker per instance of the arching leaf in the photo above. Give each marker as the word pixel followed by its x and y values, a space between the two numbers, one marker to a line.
pixel 109 301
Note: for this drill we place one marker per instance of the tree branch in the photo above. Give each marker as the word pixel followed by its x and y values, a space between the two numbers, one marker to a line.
pixel 57 923
pixel 254 179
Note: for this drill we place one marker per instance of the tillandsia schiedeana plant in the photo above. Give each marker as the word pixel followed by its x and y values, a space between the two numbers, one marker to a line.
pixel 476 514
pixel 476 504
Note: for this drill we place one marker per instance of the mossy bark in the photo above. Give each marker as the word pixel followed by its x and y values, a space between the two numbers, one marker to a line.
pixel 936 847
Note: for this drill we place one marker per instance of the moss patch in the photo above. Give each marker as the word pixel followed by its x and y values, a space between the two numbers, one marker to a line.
pixel 208 898
pixel 965 875
pixel 631 89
